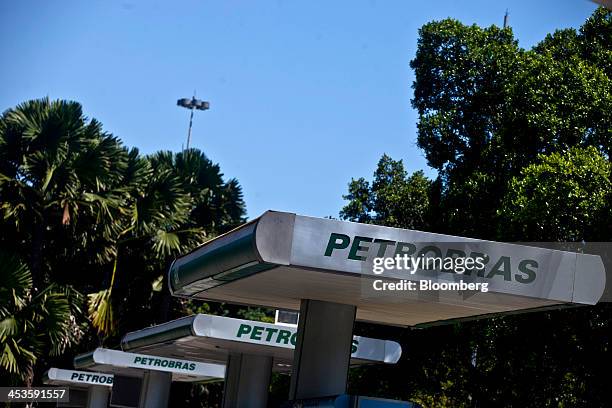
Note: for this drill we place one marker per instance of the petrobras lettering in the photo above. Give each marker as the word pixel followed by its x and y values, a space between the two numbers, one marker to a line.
pixel 150 361
pixel 61 376
pixel 247 331
pixel 274 335
pixel 91 378
pixel 509 267
pixel 284 336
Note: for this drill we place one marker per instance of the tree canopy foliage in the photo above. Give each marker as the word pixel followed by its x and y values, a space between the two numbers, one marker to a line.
pixel 394 198
pixel 521 142
pixel 93 225
pixel 563 196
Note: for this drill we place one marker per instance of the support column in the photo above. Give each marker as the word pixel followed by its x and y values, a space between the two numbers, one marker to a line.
pixel 155 389
pixel 323 349
pixel 97 396
pixel 247 379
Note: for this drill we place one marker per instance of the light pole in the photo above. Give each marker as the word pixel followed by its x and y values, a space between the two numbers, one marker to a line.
pixel 192 104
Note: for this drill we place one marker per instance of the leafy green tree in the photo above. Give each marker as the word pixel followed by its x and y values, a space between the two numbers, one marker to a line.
pixel 561 197
pixel 462 76
pixel 521 142
pixel 393 199
pixel 360 202
pixel 596 39
pixel 557 104
pixel 488 108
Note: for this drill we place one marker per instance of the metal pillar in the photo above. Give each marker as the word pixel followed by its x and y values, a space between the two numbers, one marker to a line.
pixel 190 125
pixel 97 396
pixel 155 389
pixel 247 379
pixel 323 349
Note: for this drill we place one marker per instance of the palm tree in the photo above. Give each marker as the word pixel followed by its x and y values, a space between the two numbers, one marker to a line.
pixel 216 204
pixel 74 199
pixel 56 166
pixel 65 186
pixel 32 324
pixel 153 228
pixel 182 202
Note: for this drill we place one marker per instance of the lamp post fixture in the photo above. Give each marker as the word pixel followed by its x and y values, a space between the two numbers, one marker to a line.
pixel 192 104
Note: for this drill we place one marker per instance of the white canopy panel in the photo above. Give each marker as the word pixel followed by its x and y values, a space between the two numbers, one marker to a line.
pixel 211 338
pixel 280 258
pixel 80 379
pixel 134 365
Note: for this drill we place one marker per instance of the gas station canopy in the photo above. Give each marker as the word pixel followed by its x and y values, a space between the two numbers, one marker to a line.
pixel 136 365
pixel 212 338
pixel 96 386
pixel 281 258
pixel 73 378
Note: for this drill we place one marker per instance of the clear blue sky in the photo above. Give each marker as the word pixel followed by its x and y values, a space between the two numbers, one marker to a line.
pixel 304 95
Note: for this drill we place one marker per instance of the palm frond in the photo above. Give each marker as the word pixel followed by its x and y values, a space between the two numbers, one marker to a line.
pixel 8 326
pixel 101 311
pixel 157 284
pixel 100 307
pixel 16 283
pixel 32 324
